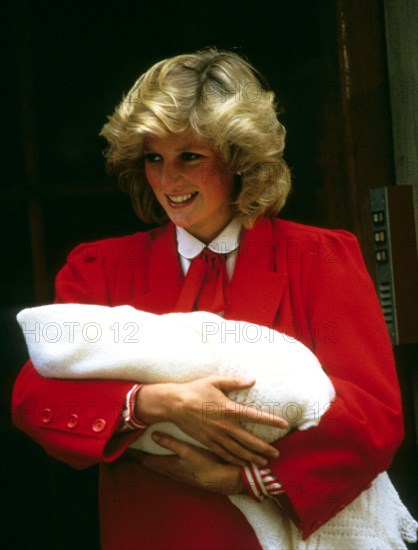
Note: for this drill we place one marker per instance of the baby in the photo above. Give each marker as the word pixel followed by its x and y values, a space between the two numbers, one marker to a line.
pixel 89 341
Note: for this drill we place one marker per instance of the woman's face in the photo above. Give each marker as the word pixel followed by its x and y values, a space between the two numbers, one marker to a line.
pixel 191 182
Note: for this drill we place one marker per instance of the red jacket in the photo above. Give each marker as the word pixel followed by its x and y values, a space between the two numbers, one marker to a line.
pixel 307 282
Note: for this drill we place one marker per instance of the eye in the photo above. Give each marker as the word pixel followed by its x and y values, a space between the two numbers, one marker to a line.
pixel 188 156
pixel 152 157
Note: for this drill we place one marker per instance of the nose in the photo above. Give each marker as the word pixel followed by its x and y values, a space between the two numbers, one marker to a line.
pixel 170 176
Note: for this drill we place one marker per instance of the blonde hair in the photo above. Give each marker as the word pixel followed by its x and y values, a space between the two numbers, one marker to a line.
pixel 221 97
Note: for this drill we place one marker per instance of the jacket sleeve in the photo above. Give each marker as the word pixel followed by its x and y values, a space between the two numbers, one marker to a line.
pixel 76 422
pixel 325 468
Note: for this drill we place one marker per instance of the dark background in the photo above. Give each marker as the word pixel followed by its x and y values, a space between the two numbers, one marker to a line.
pixel 65 67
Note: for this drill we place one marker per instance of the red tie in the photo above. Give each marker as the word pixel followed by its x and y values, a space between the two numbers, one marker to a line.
pixel 206 285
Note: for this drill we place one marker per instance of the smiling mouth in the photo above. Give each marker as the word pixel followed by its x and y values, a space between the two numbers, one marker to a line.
pixel 181 200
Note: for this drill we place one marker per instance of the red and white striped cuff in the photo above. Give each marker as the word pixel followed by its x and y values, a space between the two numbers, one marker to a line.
pixel 260 482
pixel 128 414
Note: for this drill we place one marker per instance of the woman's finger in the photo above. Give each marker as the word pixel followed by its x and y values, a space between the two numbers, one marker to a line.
pixel 233 452
pixel 226 455
pixel 249 413
pixel 229 383
pixel 174 445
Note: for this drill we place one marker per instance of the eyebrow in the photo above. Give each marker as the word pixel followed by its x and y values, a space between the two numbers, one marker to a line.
pixel 190 145
pixel 187 147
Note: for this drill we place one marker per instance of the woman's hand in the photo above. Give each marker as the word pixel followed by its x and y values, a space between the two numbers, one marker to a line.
pixel 202 410
pixel 192 466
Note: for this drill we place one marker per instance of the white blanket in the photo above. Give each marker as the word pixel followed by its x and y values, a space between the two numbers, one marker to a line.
pixel 88 341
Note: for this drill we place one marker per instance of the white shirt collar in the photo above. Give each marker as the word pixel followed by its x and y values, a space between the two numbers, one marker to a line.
pixel 227 241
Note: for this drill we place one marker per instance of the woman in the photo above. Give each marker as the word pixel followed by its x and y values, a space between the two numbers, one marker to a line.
pixel 197 144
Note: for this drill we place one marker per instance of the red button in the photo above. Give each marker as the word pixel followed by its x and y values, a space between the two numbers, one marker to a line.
pixel 46 416
pixel 72 421
pixel 99 425
pixel 90 254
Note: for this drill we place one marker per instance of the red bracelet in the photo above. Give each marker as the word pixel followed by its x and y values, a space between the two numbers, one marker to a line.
pixel 129 417
pixel 260 482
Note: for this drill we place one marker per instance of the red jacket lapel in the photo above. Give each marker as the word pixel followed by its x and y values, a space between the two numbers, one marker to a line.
pixel 164 276
pixel 258 283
